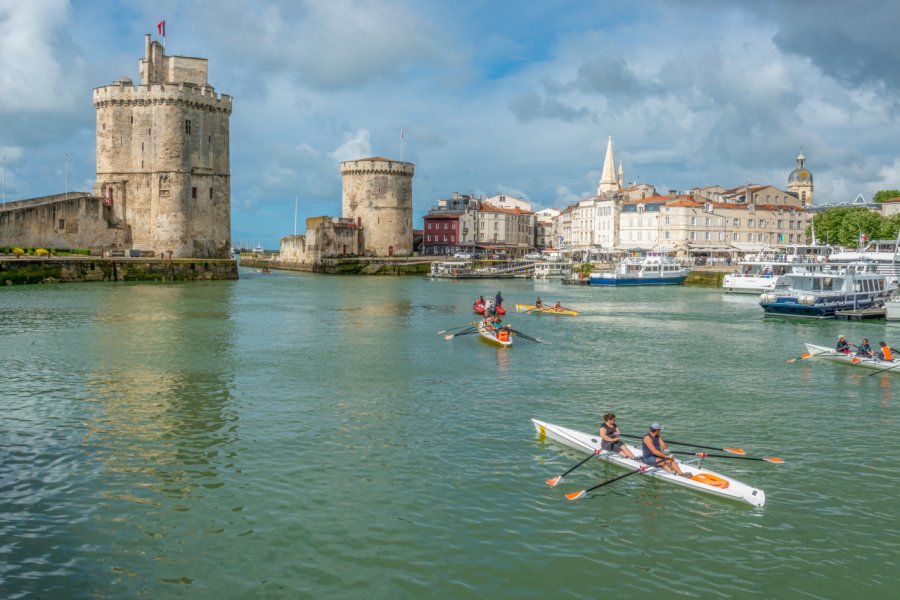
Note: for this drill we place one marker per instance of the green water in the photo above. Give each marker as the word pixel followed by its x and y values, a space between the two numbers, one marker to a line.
pixel 293 435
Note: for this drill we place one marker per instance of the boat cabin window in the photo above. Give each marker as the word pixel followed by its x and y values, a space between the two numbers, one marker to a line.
pixel 827 284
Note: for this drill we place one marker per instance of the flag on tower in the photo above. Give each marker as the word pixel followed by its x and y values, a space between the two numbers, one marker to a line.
pixel 161 28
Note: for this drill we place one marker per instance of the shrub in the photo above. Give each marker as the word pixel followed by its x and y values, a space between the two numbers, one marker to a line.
pixel 41 252
pixel 17 251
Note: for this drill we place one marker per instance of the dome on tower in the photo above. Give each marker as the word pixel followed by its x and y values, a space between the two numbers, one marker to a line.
pixel 801 174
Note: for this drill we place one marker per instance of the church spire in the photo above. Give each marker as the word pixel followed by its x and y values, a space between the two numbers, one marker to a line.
pixel 608 181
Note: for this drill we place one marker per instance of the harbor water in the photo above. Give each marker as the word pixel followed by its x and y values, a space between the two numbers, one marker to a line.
pixel 294 435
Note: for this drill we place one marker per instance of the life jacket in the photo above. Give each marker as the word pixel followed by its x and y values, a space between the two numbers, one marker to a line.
pixel 503 335
pixel 886 351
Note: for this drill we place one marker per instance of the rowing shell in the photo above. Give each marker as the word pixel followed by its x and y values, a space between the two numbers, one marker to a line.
pixel 546 310
pixel 701 480
pixel 853 361
pixel 491 338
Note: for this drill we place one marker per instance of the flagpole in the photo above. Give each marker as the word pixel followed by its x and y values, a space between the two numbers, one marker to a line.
pixel 295 215
pixel 401 145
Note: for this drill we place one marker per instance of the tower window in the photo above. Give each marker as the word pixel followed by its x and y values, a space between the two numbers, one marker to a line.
pixel 132 120
pixel 62 224
pixel 210 193
pixel 194 193
pixel 187 125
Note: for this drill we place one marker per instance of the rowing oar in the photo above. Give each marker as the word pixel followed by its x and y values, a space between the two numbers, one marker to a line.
pixel 770 459
pixel 583 493
pixel 883 370
pixel 454 328
pixel 463 332
pixel 732 450
pixel 558 479
pixel 527 337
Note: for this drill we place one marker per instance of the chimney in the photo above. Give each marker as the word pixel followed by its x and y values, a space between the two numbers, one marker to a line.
pixel 147 46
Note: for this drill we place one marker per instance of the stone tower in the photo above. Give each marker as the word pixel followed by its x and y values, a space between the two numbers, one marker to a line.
pixel 608 181
pixel 163 165
pixel 800 181
pixel 377 193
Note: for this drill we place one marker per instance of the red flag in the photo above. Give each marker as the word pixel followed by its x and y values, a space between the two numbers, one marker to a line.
pixel 161 28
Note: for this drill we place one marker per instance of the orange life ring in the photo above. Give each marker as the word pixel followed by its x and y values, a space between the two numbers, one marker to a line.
pixel 710 479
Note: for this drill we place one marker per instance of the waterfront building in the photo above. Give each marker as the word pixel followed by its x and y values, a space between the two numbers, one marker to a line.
pixel 890 207
pixel 545 235
pixel 443 232
pixel 506 201
pixel 163 170
pixel 508 231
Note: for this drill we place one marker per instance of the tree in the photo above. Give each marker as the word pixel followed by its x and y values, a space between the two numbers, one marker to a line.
pixel 842 226
pixel 885 195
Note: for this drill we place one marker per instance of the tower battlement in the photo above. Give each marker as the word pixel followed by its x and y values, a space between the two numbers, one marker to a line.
pixel 377 165
pixel 123 93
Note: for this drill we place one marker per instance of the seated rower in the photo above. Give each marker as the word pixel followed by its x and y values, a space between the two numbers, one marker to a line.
pixel 609 433
pixel 538 304
pixel 864 349
pixel 885 353
pixel 654 452
pixel 842 345
pixel 557 306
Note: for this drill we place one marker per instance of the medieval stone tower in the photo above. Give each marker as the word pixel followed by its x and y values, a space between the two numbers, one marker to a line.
pixel 163 166
pixel 377 193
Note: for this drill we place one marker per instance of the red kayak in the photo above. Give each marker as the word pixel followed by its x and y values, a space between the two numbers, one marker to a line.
pixel 500 310
pixel 478 308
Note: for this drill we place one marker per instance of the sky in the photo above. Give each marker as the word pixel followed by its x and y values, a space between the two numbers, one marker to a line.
pixel 493 97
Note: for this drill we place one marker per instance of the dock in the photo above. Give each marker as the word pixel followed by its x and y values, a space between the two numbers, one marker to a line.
pixel 858 314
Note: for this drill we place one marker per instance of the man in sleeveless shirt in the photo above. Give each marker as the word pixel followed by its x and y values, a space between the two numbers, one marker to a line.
pixel 654 451
pixel 609 433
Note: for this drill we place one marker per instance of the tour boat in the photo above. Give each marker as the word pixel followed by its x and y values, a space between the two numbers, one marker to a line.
pixel 495 338
pixel 758 273
pixel 550 269
pixel 892 309
pixel 654 269
pixel 546 310
pixel 821 293
pixel 884 254
pixel 827 353
pixel 701 480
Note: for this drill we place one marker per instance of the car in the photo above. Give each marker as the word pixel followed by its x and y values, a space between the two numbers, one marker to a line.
pixel 533 256
pixel 463 255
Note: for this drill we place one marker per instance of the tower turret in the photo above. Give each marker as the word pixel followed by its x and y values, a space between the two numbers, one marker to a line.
pixel 800 181
pixel 377 193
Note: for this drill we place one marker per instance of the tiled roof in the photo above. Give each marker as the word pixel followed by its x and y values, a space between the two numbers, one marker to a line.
pixel 485 207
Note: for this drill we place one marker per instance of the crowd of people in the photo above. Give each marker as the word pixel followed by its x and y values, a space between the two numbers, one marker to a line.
pixel 864 350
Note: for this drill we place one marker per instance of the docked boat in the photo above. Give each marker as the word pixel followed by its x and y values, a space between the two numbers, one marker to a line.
pixel 701 479
pixel 495 338
pixel 653 269
pixel 759 272
pixel 884 254
pixel 830 354
pixel 821 293
pixel 892 309
pixel 545 310
pixel 552 269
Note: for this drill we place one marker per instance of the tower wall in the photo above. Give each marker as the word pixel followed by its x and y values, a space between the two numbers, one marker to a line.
pixel 163 163
pixel 377 193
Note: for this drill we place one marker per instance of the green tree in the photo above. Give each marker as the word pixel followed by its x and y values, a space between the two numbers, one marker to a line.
pixel 842 226
pixel 885 195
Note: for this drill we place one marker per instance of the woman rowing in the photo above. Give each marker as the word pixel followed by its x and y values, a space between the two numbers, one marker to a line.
pixel 538 303
pixel 610 433
pixel 654 451
pixel 864 349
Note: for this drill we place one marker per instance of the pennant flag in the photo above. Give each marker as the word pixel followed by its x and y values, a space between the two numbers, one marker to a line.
pixel 161 28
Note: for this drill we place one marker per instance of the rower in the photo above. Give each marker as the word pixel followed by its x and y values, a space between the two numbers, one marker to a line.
pixel 537 303
pixel 654 451
pixel 885 353
pixel 610 433
pixel 842 345
pixel 864 349
pixel 557 306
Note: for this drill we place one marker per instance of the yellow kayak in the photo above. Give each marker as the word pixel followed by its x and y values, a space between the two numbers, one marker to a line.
pixel 547 310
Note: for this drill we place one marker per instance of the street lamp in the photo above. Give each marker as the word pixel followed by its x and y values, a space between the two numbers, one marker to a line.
pixel 67 176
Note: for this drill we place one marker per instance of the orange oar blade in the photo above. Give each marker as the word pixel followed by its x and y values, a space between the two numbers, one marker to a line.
pixel 855 360
pixel 734 450
pixel 555 481
pixel 576 495
pixel 773 459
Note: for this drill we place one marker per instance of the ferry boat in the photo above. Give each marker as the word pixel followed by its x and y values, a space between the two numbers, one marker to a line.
pixel 759 272
pixel 884 254
pixel 552 269
pixel 821 293
pixel 655 268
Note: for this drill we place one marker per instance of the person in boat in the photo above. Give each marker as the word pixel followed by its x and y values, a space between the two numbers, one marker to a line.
pixel 538 303
pixel 842 345
pixel 610 435
pixel 498 300
pixel 480 300
pixel 557 306
pixel 654 451
pixel 885 352
pixel 864 349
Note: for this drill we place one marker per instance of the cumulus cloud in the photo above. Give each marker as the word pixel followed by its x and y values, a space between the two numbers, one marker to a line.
pixel 356 145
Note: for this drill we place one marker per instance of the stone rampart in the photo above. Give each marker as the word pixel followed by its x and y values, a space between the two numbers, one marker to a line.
pixel 123 94
pixel 54 270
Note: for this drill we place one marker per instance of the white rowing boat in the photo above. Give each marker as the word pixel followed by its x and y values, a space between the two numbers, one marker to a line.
pixel 889 366
pixel 496 338
pixel 701 480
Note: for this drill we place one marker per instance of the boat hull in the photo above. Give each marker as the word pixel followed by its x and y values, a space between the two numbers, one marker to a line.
pixel 543 310
pixel 832 355
pixel 588 444
pixel 612 280
pixel 490 338
pixel 790 306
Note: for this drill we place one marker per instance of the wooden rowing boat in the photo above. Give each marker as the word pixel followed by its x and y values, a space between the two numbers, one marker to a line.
pixel 830 354
pixel 701 480
pixel 494 338
pixel 546 310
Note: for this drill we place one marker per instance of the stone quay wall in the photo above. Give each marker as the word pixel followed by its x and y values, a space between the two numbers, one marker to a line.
pixel 54 270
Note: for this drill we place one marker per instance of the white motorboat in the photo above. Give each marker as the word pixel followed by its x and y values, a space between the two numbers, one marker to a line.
pixel 830 354
pixel 552 269
pixel 759 272
pixel 884 254
pixel 655 268
pixel 821 293
pixel 892 309
pixel 701 480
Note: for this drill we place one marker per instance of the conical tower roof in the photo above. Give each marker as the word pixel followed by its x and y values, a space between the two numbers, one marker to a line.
pixel 608 180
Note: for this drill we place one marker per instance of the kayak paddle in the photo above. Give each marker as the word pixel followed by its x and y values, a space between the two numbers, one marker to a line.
pixel 558 479
pixel 583 493
pixel 732 450
pixel 770 459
